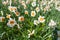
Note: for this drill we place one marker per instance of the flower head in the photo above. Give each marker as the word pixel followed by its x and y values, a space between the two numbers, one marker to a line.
pixel 37 9
pixel 33 13
pixel 23 2
pixel 57 5
pixel 47 8
pixel 12 9
pixel 33 4
pixel 21 18
pixel 26 12
pixel 2 19
pixel 5 2
pixel 11 22
pixel 17 13
pixel 31 33
pixel 8 16
pixel 41 19
pixel 52 23
pixel 36 22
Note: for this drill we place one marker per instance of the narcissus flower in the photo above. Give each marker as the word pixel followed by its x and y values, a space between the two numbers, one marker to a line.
pixel 17 13
pixel 30 33
pixel 8 16
pixel 37 9
pixel 52 23
pixel 36 22
pixel 57 5
pixel 26 12
pixel 58 8
pixel 5 2
pixel 33 3
pixel 22 2
pixel 47 8
pixel 41 19
pixel 33 13
pixel 11 22
pixel 12 9
pixel 21 18
pixel 2 19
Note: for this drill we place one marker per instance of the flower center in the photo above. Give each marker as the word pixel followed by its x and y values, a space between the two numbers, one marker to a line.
pixel 14 8
pixel 26 12
pixel 17 13
pixel 3 19
pixel 32 13
pixel 41 19
pixel 11 9
pixel 12 22
pixel 22 19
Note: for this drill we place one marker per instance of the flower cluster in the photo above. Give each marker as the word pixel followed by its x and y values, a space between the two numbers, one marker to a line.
pixel 31 14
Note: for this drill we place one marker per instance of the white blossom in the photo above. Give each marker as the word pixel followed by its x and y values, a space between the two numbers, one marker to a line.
pixel 52 23
pixel 33 4
pixel 41 19
pixel 36 22
pixel 31 33
pixel 33 13
pixel 12 8
pixel 11 22
pixel 37 9
pixel 2 19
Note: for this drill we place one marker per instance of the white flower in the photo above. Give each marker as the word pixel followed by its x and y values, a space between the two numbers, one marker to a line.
pixel 33 13
pixel 33 4
pixel 57 5
pixel 31 33
pixel 17 13
pixel 21 18
pixel 8 16
pixel 58 8
pixel 26 12
pixel 5 2
pixel 12 9
pixel 47 8
pixel 37 9
pixel 36 22
pixel 52 23
pixel 2 19
pixel 41 19
pixel 11 22
pixel 23 2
